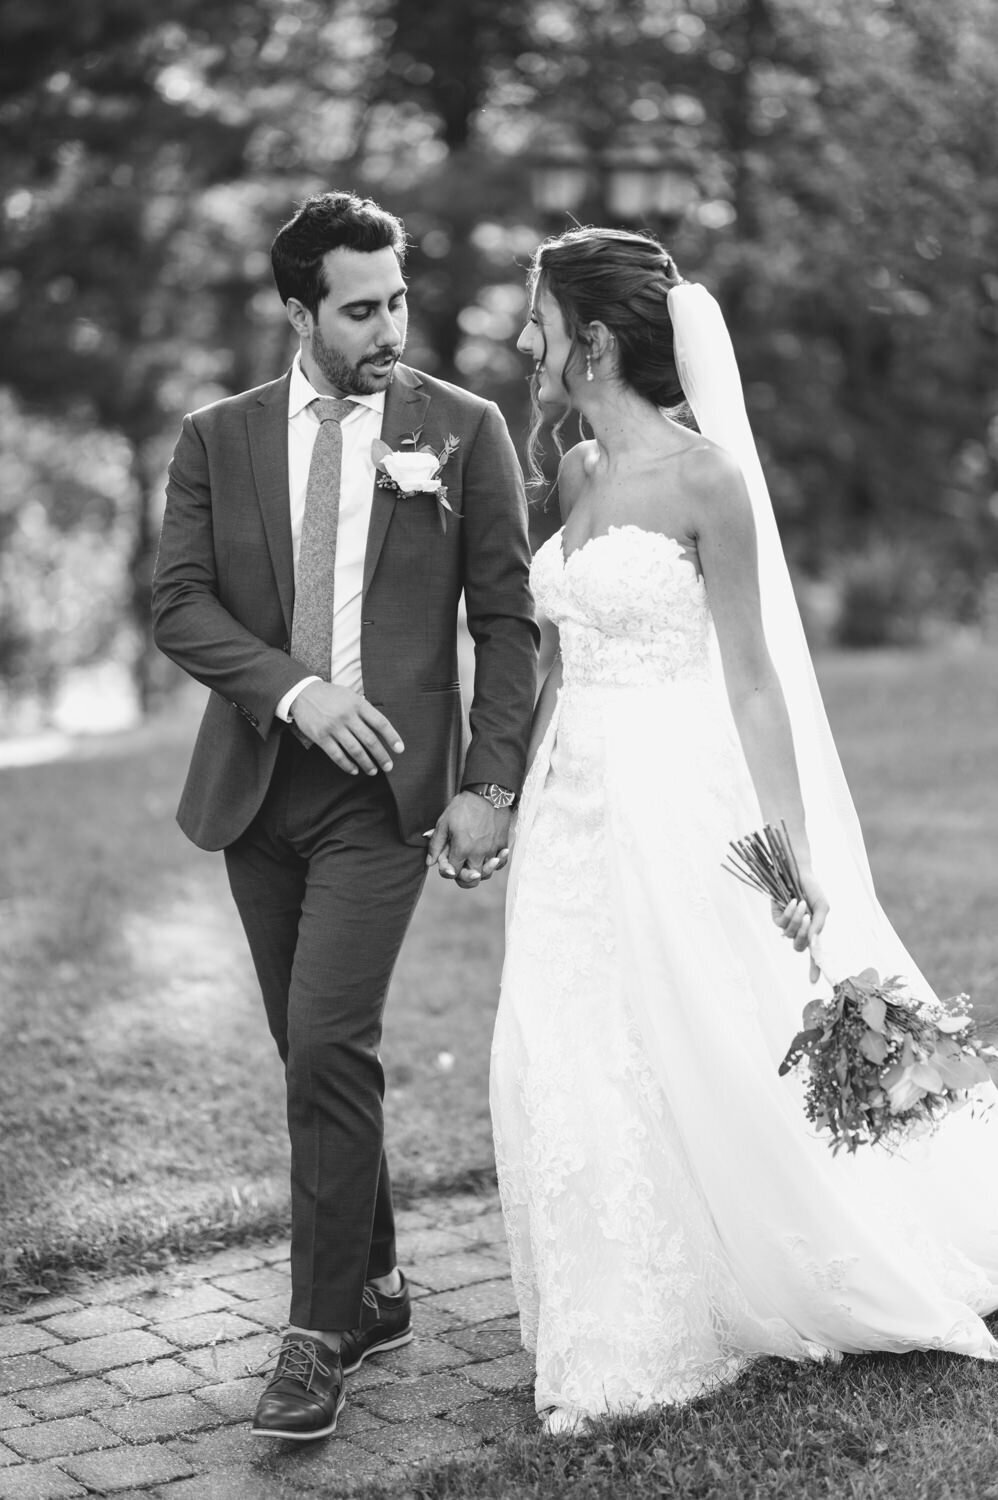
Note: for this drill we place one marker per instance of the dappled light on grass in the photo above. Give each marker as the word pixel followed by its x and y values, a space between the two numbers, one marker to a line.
pixel 141 1097
pixel 137 1089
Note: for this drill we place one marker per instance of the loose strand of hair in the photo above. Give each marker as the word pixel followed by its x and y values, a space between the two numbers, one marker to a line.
pixel 534 450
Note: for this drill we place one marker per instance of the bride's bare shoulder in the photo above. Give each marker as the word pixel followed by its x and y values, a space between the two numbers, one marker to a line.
pixel 573 472
pixel 712 474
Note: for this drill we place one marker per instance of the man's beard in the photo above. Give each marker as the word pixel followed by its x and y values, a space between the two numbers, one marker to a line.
pixel 352 380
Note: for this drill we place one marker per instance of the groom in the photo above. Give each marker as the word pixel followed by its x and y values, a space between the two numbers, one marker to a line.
pixel 320 606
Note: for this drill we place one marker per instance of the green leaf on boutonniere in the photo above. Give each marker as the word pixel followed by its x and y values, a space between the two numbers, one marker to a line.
pixel 450 446
pixel 443 507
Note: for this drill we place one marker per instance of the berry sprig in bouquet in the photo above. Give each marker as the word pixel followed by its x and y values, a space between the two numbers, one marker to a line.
pixel 882 1066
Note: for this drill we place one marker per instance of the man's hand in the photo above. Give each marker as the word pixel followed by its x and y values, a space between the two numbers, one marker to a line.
pixel 355 736
pixel 471 840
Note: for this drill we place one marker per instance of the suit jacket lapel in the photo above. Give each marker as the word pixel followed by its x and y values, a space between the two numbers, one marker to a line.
pixel 405 412
pixel 267 427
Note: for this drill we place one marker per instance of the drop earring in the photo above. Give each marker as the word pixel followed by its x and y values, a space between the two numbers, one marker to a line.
pixel 589 367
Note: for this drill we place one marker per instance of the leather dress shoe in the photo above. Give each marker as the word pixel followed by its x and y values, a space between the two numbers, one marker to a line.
pixel 385 1323
pixel 305 1395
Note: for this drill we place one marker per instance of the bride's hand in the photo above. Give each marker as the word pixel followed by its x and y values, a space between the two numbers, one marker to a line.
pixel 802 921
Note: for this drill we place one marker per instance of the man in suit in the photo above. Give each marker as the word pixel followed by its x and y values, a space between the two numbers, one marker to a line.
pixel 320 607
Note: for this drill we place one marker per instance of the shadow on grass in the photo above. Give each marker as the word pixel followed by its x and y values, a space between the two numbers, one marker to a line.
pixel 872 1427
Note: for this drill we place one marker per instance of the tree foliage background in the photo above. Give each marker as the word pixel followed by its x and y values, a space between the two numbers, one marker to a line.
pixel 839 176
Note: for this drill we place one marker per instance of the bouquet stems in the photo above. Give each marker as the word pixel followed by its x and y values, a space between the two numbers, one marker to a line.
pixel 766 862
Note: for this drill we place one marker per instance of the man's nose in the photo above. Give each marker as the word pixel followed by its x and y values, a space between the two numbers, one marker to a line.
pixel 389 332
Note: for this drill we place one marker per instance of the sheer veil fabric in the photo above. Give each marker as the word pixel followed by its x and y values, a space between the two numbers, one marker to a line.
pixel 858 932
pixel 670 1213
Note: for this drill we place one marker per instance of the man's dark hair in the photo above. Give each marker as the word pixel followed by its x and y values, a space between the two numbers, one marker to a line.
pixel 329 221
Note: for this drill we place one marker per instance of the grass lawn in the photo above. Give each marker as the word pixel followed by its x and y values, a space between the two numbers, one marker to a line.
pixel 918 735
pixel 912 1427
pixel 141 1101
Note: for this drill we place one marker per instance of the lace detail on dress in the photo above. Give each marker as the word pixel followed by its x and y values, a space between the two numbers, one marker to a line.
pixel 627 615
pixel 659 1239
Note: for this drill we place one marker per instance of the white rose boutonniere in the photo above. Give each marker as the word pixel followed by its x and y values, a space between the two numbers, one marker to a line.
pixel 415 470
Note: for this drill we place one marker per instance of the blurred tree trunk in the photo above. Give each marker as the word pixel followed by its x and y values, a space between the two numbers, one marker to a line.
pixel 752 38
pixel 446 53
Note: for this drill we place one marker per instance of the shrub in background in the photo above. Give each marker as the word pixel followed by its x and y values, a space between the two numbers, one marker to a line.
pixel 887 596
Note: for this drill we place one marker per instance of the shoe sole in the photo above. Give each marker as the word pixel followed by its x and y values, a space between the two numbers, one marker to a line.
pixel 382 1348
pixel 302 1437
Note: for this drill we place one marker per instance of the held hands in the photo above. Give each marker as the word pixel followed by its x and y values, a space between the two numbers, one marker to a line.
pixel 470 841
pixel 802 921
pixel 354 735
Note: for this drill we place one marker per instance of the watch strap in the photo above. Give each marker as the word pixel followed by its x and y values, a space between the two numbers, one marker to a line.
pixel 501 797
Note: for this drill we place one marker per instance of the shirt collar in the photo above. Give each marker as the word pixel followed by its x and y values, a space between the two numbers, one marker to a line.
pixel 301 391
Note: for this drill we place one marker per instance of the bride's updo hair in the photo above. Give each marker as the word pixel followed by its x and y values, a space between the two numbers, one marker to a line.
pixel 621 279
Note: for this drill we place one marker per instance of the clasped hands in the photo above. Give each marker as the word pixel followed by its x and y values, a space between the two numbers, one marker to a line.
pixel 470 840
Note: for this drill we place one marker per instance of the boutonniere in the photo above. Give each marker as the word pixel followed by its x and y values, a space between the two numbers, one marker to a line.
pixel 415 470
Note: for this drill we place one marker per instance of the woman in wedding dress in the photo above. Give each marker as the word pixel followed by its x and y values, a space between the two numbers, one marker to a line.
pixel 670 1213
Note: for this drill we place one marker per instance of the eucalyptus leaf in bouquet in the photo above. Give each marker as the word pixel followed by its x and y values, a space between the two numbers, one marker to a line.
pixel 882 1066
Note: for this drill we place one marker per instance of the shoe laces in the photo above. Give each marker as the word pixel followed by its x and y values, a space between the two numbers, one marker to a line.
pixel 370 1298
pixel 297 1359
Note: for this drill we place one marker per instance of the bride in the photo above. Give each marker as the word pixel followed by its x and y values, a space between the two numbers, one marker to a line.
pixel 670 1214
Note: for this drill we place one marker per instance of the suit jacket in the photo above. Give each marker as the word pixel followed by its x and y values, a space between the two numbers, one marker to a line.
pixel 223 596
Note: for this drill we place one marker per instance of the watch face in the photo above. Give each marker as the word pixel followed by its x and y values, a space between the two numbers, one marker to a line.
pixel 499 796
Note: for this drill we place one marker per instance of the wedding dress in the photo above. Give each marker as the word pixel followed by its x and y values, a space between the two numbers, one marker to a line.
pixel 671 1215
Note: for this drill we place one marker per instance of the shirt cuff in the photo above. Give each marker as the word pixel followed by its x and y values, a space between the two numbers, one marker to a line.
pixel 283 709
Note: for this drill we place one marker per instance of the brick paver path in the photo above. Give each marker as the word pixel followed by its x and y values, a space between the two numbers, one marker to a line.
pixel 141 1386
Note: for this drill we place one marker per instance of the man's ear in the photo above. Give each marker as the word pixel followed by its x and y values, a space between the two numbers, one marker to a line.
pixel 299 317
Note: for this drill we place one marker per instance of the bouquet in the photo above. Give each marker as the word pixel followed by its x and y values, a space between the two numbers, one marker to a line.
pixel 882 1066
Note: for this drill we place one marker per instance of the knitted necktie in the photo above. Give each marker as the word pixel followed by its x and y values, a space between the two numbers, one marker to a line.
pixel 312 621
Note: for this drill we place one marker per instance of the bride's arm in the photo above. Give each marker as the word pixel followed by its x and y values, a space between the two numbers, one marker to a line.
pixel 544 708
pixel 570 476
pixel 726 544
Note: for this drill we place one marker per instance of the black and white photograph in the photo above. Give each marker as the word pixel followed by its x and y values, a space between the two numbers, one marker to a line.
pixel 498 749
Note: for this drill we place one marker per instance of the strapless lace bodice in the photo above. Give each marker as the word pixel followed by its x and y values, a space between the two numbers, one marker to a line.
pixel 670 1214
pixel 629 607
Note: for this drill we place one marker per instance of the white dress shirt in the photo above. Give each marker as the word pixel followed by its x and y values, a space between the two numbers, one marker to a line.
pixel 360 427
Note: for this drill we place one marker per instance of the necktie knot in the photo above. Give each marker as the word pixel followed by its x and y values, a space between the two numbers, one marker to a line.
pixel 330 408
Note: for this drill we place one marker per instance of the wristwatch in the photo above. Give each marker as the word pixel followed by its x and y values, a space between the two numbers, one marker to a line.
pixel 500 796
